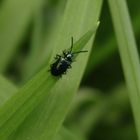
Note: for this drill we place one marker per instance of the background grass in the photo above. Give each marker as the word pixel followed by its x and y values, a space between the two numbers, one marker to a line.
pixel 34 105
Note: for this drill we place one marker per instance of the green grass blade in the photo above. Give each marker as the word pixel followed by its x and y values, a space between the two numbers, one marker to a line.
pixel 128 53
pixel 7 90
pixel 16 109
pixel 55 106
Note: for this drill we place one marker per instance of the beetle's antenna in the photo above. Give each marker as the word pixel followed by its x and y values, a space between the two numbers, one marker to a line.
pixel 80 52
pixel 71 44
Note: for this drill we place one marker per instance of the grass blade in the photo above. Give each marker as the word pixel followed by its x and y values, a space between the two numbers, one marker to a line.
pixel 7 90
pixel 128 53
pixel 16 109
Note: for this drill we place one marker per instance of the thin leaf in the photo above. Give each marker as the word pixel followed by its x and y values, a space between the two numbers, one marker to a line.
pixel 7 90
pixel 17 108
pixel 128 53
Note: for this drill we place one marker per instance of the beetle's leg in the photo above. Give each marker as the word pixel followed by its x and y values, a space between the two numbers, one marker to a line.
pixel 58 55
pixel 64 52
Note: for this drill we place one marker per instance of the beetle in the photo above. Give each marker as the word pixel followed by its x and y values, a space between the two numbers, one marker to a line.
pixel 63 62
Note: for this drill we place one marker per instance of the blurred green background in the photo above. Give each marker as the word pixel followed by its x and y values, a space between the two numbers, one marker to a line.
pixel 101 110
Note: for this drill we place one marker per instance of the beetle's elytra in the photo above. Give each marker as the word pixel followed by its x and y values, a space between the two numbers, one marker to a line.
pixel 63 62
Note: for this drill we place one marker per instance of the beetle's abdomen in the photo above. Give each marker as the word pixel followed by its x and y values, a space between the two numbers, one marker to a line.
pixel 59 68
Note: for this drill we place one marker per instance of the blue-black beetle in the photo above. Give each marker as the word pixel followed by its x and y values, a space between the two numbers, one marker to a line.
pixel 63 62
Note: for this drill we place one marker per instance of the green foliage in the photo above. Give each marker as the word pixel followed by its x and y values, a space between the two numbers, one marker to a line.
pixel 34 105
